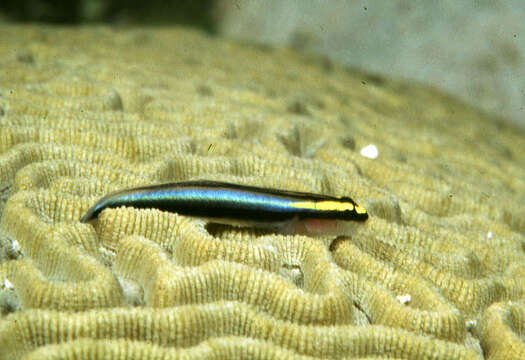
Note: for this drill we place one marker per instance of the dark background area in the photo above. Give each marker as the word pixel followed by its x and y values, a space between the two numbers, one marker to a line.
pixel 197 13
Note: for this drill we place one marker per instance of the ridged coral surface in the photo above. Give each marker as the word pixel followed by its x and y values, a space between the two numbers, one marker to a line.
pixel 437 272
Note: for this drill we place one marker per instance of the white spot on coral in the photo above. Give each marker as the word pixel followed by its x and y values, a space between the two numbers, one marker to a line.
pixel 370 151
pixel 16 246
pixel 489 235
pixel 133 292
pixel 7 285
pixel 107 253
pixel 404 299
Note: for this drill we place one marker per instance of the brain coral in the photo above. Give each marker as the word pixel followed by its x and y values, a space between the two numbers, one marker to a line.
pixel 437 272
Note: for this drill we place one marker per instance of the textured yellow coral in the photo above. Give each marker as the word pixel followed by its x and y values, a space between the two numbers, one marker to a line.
pixel 502 329
pixel 437 272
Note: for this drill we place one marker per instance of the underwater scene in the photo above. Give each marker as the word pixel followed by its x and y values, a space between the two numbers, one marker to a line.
pixel 229 180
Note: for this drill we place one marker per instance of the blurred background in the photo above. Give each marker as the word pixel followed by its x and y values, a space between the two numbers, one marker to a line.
pixel 474 50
